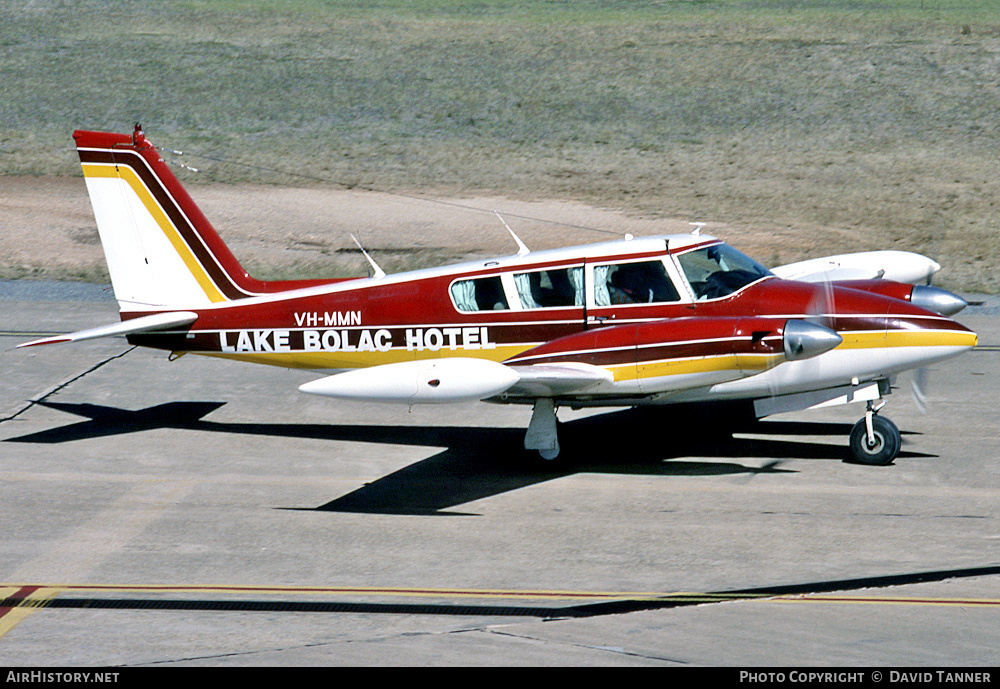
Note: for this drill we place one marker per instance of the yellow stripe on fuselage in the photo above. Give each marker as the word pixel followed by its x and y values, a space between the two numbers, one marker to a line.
pixel 880 339
pixel 680 367
pixel 347 360
pixel 126 174
pixel 761 362
pixel 750 363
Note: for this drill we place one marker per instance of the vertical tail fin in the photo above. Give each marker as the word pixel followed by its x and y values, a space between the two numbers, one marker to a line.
pixel 161 250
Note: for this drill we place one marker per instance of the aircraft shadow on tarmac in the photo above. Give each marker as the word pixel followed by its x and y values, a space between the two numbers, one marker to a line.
pixel 480 462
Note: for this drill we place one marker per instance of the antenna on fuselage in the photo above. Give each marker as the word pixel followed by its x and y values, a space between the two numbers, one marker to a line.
pixel 697 228
pixel 521 248
pixel 379 273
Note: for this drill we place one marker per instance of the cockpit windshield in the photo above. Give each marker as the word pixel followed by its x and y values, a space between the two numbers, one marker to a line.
pixel 718 270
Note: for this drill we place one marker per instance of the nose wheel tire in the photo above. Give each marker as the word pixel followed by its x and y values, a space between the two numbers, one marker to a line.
pixel 885 446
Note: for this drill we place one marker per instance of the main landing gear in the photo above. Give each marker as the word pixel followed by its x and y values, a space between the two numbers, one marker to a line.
pixel 543 433
pixel 875 440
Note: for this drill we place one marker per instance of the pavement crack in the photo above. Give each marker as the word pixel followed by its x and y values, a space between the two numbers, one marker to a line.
pixel 297 647
pixel 61 386
pixel 615 650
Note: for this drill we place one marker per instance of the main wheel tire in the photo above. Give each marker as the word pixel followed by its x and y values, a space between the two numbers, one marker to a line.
pixel 883 450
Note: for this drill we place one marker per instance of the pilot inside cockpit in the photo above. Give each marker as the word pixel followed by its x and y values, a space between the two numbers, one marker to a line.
pixel 719 270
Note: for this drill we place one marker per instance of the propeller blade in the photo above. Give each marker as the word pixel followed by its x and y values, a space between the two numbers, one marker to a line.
pixel 918 388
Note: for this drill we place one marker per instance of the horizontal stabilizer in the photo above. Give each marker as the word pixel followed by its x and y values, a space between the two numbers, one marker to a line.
pixel 143 324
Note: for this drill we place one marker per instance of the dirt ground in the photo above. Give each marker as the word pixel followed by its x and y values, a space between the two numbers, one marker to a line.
pixel 47 229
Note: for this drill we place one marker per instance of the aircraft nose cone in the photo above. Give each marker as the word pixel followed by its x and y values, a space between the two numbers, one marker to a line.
pixel 936 299
pixel 804 340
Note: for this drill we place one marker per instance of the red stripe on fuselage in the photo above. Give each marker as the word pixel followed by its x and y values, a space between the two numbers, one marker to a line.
pixel 662 339
pixel 425 302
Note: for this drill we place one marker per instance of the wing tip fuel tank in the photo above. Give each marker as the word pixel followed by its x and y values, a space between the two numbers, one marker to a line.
pixel 428 381
pixel 898 266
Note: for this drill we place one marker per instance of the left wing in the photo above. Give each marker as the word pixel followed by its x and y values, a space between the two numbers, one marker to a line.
pixel 552 380
pixel 455 379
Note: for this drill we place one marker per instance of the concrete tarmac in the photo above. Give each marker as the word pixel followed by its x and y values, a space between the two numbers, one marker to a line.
pixel 204 512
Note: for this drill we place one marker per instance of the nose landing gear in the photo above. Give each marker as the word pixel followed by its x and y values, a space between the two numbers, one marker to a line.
pixel 875 440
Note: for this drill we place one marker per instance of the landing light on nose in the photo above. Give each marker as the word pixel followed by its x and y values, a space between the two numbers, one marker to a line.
pixel 936 299
pixel 804 340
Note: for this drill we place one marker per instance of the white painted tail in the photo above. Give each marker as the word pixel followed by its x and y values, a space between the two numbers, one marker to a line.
pixel 162 252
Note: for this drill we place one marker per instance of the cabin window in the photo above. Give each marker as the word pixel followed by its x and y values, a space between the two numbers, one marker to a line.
pixel 555 287
pixel 645 282
pixel 719 270
pixel 479 294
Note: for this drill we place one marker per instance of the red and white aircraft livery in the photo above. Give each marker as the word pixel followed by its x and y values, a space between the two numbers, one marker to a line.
pixel 643 321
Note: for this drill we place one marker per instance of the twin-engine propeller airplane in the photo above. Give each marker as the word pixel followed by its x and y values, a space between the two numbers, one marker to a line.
pixel 644 321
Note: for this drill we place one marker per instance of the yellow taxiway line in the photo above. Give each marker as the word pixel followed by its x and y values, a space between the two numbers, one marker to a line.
pixel 18 601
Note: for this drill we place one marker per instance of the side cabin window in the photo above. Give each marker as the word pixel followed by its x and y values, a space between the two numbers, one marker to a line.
pixel 644 282
pixel 479 294
pixel 553 287
pixel 719 270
